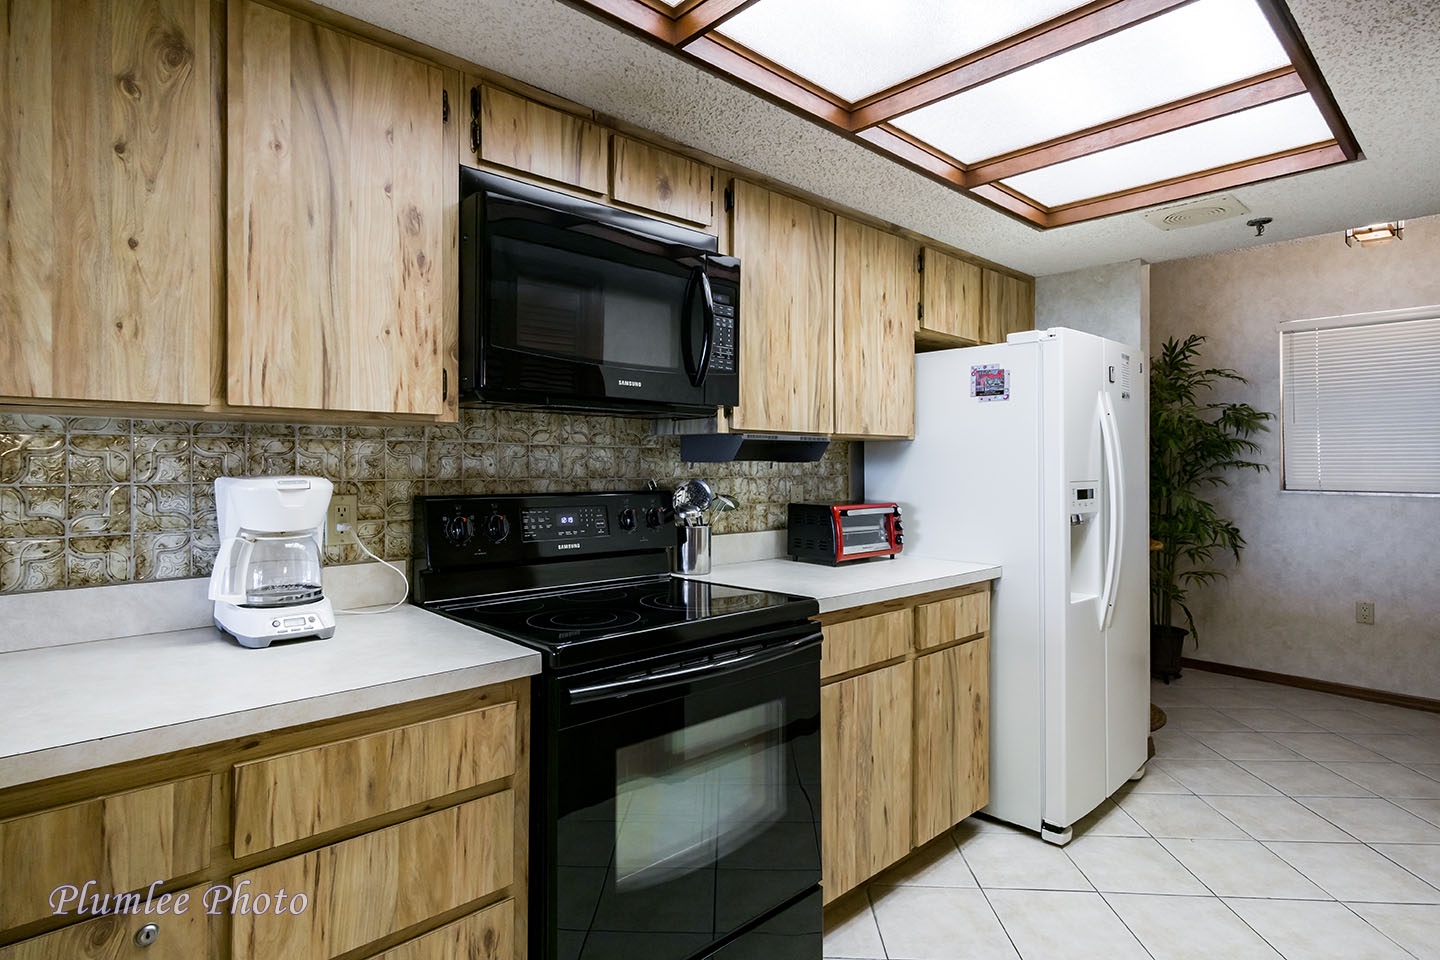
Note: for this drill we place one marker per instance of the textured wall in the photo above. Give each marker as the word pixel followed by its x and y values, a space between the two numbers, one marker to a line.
pixel 1290 604
pixel 88 500
pixel 1110 301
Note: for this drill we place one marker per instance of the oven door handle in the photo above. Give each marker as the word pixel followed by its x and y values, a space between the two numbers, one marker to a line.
pixel 674 677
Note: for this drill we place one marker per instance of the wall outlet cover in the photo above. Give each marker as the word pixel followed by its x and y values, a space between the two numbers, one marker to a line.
pixel 343 509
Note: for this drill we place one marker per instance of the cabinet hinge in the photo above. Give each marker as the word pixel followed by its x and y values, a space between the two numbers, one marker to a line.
pixel 475 101
pixel 444 106
pixel 919 311
pixel 729 199
pixel 444 385
pixel 920 262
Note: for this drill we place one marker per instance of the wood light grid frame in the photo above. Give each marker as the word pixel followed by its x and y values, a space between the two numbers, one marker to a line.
pixel 690 28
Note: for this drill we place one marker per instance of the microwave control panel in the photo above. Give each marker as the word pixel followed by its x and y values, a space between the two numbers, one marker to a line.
pixel 722 356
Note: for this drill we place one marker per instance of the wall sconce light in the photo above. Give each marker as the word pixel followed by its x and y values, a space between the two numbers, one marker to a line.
pixel 1375 233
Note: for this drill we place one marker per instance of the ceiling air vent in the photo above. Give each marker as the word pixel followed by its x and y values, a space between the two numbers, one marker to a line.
pixel 1195 212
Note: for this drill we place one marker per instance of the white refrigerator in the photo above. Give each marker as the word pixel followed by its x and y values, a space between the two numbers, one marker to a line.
pixel 1032 453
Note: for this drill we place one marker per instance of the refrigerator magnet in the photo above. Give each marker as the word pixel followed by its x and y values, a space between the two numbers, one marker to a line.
pixel 989 383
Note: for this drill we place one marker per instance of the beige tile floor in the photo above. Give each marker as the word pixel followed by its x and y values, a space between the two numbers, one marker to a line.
pixel 1273 823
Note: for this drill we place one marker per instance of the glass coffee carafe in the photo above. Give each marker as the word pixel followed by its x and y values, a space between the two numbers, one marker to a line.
pixel 269 569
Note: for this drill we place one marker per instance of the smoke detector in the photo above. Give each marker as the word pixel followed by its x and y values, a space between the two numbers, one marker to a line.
pixel 1193 213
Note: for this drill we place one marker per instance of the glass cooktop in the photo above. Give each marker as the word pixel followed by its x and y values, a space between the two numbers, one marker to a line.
pixel 623 615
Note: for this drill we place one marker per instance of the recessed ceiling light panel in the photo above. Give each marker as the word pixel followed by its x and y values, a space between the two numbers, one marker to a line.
pixel 1261 131
pixel 1191 50
pixel 855 48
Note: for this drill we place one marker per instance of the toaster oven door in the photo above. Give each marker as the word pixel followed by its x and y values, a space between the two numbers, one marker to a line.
pixel 865 532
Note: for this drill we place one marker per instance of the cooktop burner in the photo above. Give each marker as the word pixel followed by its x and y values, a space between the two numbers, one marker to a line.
pixel 638 609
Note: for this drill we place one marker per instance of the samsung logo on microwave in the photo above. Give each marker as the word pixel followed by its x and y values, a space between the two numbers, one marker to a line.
pixel 567 546
pixel 629 383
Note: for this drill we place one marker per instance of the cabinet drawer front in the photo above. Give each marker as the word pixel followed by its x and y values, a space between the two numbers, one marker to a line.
pixel 858 643
pixel 374 885
pixel 937 624
pixel 487 935
pixel 123 843
pixel 183 935
pixel 297 795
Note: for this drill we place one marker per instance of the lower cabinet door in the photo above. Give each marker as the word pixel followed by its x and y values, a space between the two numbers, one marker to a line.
pixel 376 884
pixel 865 736
pixel 486 935
pixel 173 930
pixel 952 736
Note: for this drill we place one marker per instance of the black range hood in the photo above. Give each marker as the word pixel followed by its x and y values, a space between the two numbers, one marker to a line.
pixel 774 447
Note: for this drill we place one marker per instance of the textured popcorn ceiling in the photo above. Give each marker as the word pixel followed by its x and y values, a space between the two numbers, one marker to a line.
pixel 1380 57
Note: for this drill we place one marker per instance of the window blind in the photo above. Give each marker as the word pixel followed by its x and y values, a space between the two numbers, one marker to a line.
pixel 1362 402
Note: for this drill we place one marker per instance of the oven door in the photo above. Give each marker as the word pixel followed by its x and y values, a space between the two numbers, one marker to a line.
pixel 569 303
pixel 688 803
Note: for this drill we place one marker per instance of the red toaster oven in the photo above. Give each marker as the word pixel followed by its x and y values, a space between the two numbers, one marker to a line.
pixel 835 533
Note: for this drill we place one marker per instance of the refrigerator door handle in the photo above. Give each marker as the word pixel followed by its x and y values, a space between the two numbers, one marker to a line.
pixel 1114 509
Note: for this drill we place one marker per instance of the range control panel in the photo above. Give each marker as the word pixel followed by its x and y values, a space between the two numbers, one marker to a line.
pixel 468 531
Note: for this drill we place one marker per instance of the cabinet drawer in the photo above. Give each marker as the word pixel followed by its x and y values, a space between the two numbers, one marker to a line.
pixel 487 935
pixel 937 624
pixel 124 842
pixel 858 643
pixel 183 935
pixel 374 885
pixel 297 795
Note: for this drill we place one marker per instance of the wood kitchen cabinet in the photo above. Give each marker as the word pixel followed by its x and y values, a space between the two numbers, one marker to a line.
pixel 787 301
pixel 904 728
pixel 338 254
pixel 662 182
pixel 109 165
pixel 531 138
pixel 404 828
pixel 876 292
pixel 1009 306
pixel 951 301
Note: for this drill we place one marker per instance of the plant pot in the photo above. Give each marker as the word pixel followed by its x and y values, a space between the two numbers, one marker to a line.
pixel 1166 644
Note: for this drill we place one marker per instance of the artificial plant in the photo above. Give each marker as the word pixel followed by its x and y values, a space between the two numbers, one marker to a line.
pixel 1194 443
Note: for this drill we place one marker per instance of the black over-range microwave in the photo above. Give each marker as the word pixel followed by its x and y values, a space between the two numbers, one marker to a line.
pixel 568 303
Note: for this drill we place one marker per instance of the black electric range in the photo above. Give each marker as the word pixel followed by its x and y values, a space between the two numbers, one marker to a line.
pixel 675 765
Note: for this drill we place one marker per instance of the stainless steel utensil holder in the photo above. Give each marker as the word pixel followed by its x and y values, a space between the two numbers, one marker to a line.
pixel 692 548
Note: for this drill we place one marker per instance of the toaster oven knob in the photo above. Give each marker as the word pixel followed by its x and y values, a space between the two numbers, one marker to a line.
pixel 459 530
pixel 497 528
pixel 627 518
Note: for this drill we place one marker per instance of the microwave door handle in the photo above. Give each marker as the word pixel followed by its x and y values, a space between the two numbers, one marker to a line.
pixel 697 361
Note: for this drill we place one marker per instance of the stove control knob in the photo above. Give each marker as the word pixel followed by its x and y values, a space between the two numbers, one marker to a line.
pixel 459 530
pixel 627 518
pixel 653 518
pixel 497 528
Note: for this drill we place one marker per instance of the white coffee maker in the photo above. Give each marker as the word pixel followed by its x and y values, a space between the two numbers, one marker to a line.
pixel 266 582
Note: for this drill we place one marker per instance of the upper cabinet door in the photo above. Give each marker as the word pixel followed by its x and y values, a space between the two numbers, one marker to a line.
pixel 551 144
pixel 1009 306
pixel 665 182
pixel 109 172
pixel 787 312
pixel 952 301
pixel 877 289
pixel 337 183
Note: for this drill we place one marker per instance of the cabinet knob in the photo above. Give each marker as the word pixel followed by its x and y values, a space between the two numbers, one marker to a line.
pixel 147 935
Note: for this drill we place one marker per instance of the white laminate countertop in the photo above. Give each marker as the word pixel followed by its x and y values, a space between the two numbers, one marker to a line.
pixel 853 584
pixel 86 705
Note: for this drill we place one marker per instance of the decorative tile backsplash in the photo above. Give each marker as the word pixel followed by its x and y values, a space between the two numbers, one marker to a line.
pixel 90 500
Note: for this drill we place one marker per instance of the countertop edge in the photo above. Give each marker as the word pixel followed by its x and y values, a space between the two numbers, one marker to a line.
pixel 94 754
pixel 880 595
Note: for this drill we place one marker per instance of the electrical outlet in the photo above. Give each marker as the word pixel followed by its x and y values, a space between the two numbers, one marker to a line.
pixel 1365 612
pixel 342 510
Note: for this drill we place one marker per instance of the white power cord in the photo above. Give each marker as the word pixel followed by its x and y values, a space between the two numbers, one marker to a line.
pixel 346 528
